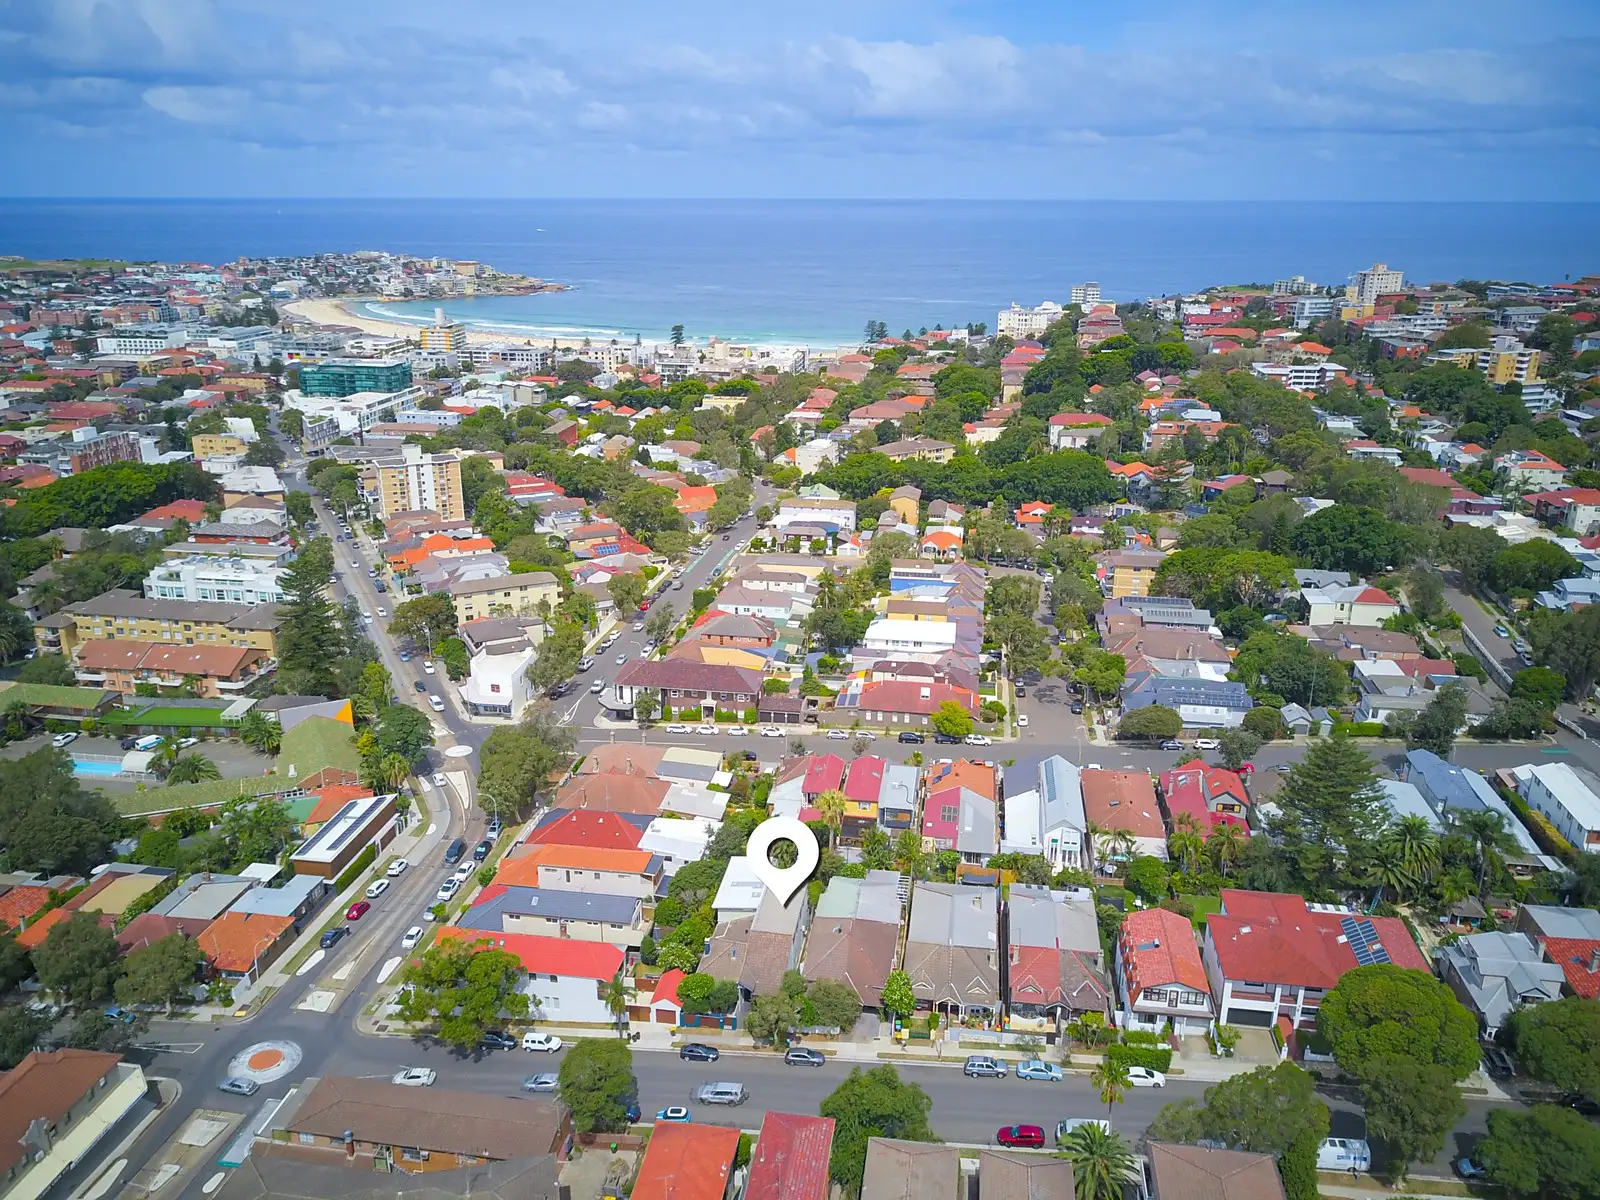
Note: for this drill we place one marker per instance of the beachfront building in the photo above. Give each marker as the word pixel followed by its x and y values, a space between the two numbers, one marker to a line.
pixel 1020 323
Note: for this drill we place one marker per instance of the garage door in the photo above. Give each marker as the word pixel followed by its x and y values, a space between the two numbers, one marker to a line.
pixel 1256 1018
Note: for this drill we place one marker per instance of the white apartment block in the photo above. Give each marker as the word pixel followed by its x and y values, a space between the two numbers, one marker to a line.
pixel 151 339
pixel 202 577
pixel 1566 799
pixel 1023 323
pixel 1302 377
pixel 1308 310
pixel 355 413
pixel 1295 285
pixel 1375 281
pixel 1085 294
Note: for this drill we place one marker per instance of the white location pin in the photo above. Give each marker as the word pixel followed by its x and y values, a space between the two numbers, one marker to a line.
pixel 783 882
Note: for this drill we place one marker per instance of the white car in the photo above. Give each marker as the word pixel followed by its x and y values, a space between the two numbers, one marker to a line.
pixel 1022 721
pixel 397 868
pixel 1207 744
pixel 678 727
pixel 447 889
pixel 838 735
pixel 412 937
pixel 610 640
pixel 383 612
pixel 706 730
pixel 598 686
pixel 736 731
pixel 638 626
pixel 436 704
pixel 464 872
pixel 771 731
pixel 546 1042
pixel 377 888
pixel 439 780
pixel 427 666
pixel 1145 1077
pixel 63 739
pixel 621 659
pixel 415 1076
pixel 978 739
pixel 185 743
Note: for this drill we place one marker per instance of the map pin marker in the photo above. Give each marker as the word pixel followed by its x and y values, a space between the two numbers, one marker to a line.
pixel 783 882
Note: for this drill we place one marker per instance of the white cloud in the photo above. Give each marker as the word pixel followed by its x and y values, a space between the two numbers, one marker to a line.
pixel 196 105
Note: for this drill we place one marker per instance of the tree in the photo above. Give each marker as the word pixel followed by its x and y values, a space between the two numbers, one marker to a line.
pixel 79 960
pixel 1384 1011
pixel 898 999
pixel 626 591
pixel 48 823
pixel 1102 1165
pixel 831 804
pixel 1411 1108
pixel 1437 725
pixel 52 669
pixel 1267 1111
pixel 597 1084
pixel 1559 1043
pixel 1238 746
pixel 951 719
pixel 660 622
pixel 646 703
pixel 616 999
pixel 1344 537
pixel 20 1031
pixel 773 1018
pixel 259 731
pixel 1111 1079
pixel 1146 877
pixel 1540 686
pixel 310 634
pixel 193 767
pixel 162 972
pixel 1530 566
pixel 1470 550
pixel 868 1104
pixel 1546 1151
pixel 1265 721
pixel 1151 722
pixel 557 657
pixel 404 731
pixel 425 621
pixel 834 1003
pixel 1331 802
pixel 464 987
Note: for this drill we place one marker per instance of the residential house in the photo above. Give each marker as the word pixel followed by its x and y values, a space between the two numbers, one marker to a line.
pixel 1350 604
pixel 238 946
pixel 899 703
pixel 833 516
pixel 1300 721
pixel 756 950
pixel 364 1122
pixel 900 1170
pixel 1570 938
pixel 918 449
pixel 1270 955
pixel 1048 819
pixel 1567 798
pixel 203 671
pixel 1025 1176
pixel 1181 1172
pixel 681 683
pixel 863 781
pixel 855 935
pixel 56 1107
pixel 791 1159
pixel 1160 978
pixel 1577 509
pixel 952 948
pixel 1449 788
pixel 1055 970
pixel 1211 795
pixel 1494 974
pixel 897 798
pixel 688 1162
pixel 1077 431
pixel 583 869
pixel 567 977
pixel 1122 805
pixel 1531 470
pixel 556 913
pixel 505 596
pixel 906 503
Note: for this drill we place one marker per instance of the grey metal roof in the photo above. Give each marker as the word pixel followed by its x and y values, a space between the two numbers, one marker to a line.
pixel 978 823
pixel 952 914
pixel 899 789
pixel 1061 787
pixel 875 898
pixel 1555 922
pixel 553 904
pixel 1501 971
pixel 1052 918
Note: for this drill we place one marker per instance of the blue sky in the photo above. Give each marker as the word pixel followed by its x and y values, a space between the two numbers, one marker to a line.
pixel 1405 99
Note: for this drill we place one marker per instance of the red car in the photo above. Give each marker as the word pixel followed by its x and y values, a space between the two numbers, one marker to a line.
pixel 1028 1137
pixel 357 910
pixel 644 606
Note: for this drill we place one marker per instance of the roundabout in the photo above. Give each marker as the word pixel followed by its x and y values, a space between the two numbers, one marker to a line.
pixel 265 1062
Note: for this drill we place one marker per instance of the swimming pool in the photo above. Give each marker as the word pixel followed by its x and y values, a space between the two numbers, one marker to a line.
pixel 83 766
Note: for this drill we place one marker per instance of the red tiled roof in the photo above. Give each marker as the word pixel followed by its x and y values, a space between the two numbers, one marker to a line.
pixel 686 1162
pixel 20 903
pixel 825 774
pixel 905 696
pixel 1122 800
pixel 584 827
pixel 1192 788
pixel 667 987
pixel 1158 948
pixel 864 780
pixel 1274 937
pixel 547 955
pixel 791 1158
pixel 1573 956
pixel 334 797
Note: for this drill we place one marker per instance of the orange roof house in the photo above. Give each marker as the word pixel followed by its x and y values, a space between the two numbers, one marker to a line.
pixel 523 869
pixel 686 1162
pixel 695 499
pixel 243 943
pixel 20 903
pixel 1033 512
pixel 964 772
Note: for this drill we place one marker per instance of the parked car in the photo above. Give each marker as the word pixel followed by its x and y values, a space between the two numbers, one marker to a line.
pixel 377 888
pixel 1468 1169
pixel 121 1014
pixel 1022 721
pixel 412 937
pixel 1344 1154
pixel 495 1039
pixel 397 867
pixel 545 1081
pixel 771 731
pixel 436 704
pixel 946 739
pixel 981 1066
pixel 977 739
pixel 1501 631
pixel 438 779
pixel 598 686
pixel 679 727
pixel 586 662
pixel 736 731
pixel 911 739
pixel 331 938
pixel 706 730
pixel 415 1076
pixel 1145 1077
pixel 463 873
pixel 730 1094
pixel 1207 744
pixel 63 739
pixel 674 1112
pixel 698 1052
pixel 237 1086
pixel 127 743
pixel 1077 706
pixel 1037 1068
pixel 801 1056
pixel 838 735
pixel 1027 1137
pixel 447 889
pixel 1172 744
pixel 548 1043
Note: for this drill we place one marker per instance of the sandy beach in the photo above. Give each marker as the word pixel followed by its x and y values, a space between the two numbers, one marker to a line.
pixel 339 312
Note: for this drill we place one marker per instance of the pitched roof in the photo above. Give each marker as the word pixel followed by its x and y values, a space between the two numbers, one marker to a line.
pixel 1122 800
pixel 547 955
pixel 1158 948
pixel 583 827
pixel 523 869
pixel 21 902
pixel 1274 936
pixel 791 1158
pixel 485 1126
pixel 686 1162
pixel 45 1084
pixel 234 941
pixel 1196 1173
pixel 1576 958
pixel 667 986
pixel 902 1170
pixel 613 792
pixel 1013 1175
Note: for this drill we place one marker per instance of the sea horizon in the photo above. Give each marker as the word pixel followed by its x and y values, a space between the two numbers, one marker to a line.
pixel 812 272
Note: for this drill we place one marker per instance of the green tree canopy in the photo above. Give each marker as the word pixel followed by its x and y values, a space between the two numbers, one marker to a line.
pixel 162 972
pixel 597 1083
pixel 1546 1151
pixel 1386 1012
pixel 1152 721
pixel 464 988
pixel 1411 1107
pixel 79 960
pixel 1559 1043
pixel 872 1103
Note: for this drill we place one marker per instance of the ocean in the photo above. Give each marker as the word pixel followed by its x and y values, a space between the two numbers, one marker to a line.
pixel 815 272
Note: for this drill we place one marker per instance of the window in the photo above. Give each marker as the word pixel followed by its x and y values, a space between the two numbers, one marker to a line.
pixel 308 1139
pixel 948 812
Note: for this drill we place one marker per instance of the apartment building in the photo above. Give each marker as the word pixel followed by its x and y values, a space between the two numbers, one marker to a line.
pixel 443 337
pixel 1021 324
pixel 87 449
pixel 1566 798
pixel 348 376
pixel 202 577
pixel 1377 280
pixel 208 671
pixel 419 482
pixel 506 595
pixel 121 613
pixel 1507 360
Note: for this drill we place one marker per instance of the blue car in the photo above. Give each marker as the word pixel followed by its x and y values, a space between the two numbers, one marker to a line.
pixel 1037 1068
pixel 675 1112
pixel 121 1014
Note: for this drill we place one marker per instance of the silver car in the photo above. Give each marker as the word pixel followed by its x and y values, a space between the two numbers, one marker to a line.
pixel 545 1081
pixel 236 1086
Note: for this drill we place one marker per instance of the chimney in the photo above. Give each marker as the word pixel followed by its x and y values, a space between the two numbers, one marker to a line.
pixel 1594 960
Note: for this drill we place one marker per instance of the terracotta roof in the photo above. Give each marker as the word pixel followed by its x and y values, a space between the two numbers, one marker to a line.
pixel 905 696
pixel 547 955
pixel 1575 956
pixel 686 1162
pixel 234 941
pixel 1196 1173
pixel 613 792
pixel 153 927
pixel 581 827
pixel 667 987
pixel 493 1127
pixel 22 902
pixel 34 935
pixel 1158 948
pixel 523 869
pixel 1122 800
pixel 1274 937
pixel 332 798
pixel 45 1084
pixel 791 1158
pixel 964 772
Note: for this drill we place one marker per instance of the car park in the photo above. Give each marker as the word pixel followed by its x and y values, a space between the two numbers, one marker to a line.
pixel 63 739
pixel 547 1043
pixel 545 1081
pixel 981 1066
pixel 412 937
pixel 730 1094
pixel 415 1077
pixel 236 1086
pixel 496 1039
pixel 698 1052
pixel 377 888
pixel 771 731
pixel 330 939
pixel 674 1112
pixel 910 739
pixel 1027 1137
pixel 1037 1068
pixel 397 868
pixel 357 910
pixel 1145 1077
pixel 803 1056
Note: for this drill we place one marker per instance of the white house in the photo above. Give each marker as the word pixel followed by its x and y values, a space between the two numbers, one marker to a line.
pixel 203 577
pixel 678 840
pixel 1352 604
pixel 567 978
pixel 1075 430
pixel 498 685
pixel 1021 324
pixel 889 635
pixel 1566 798
pixel 1531 469
pixel 838 516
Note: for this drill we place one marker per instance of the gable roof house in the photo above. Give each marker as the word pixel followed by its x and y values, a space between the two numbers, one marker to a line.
pixel 1123 802
pixel 1055 968
pixel 855 935
pixel 1179 1172
pixel 791 1158
pixel 1348 604
pixel 1049 819
pixel 56 1106
pixel 1159 976
pixel 952 948
pixel 1211 795
pixel 1494 974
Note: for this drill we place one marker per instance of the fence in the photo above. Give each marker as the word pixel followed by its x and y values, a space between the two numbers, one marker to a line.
pixel 1491 664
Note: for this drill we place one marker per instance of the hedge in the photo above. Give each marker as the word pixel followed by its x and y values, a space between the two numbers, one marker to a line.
pixel 1157 1058
pixel 1544 834
pixel 353 872
pixel 1143 1037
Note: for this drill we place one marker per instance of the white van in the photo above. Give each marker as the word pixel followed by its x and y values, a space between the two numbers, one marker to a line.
pixel 149 742
pixel 1344 1154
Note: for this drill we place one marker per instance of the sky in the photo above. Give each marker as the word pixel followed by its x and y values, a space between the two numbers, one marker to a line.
pixel 937 99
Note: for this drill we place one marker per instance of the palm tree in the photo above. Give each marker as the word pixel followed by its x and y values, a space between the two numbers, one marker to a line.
pixel 388 772
pixel 1418 846
pixel 1102 1165
pixel 1486 830
pixel 192 768
pixel 1453 884
pixel 165 758
pixel 1122 847
pixel 1387 869
pixel 617 1002
pixel 1112 1080
pixel 1226 844
pixel 831 804
pixel 1185 844
pixel 909 856
pixel 265 735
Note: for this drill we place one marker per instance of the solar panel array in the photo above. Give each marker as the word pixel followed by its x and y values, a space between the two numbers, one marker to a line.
pixel 1363 939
